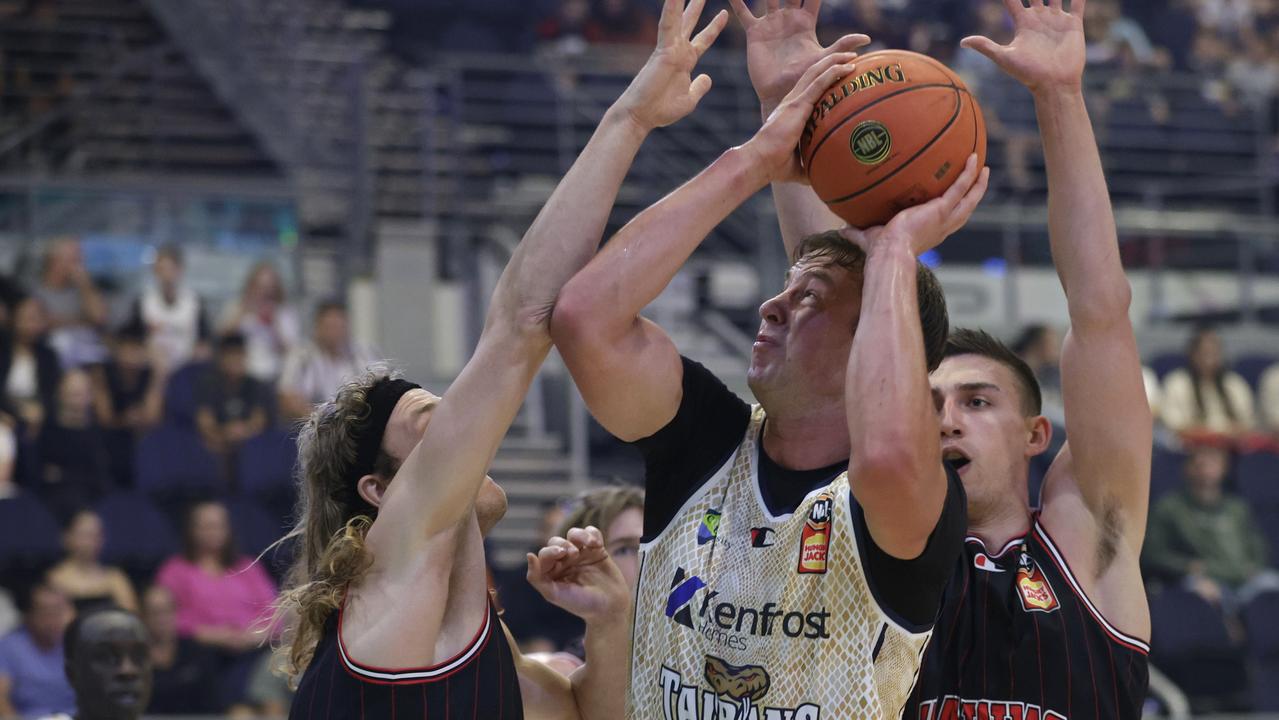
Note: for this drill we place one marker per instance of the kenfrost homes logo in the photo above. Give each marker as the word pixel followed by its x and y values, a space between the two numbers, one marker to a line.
pixel 732 625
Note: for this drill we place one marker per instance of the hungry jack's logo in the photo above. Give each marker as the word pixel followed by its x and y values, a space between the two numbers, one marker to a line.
pixel 814 541
pixel 1033 590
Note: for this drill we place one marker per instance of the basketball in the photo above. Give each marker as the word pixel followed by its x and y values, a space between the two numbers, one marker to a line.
pixel 894 134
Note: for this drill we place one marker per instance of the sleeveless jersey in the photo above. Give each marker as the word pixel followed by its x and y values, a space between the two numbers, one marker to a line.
pixel 741 615
pixel 1017 639
pixel 478 682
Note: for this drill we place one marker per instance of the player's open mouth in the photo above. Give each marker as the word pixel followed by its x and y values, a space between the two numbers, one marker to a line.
pixel 956 459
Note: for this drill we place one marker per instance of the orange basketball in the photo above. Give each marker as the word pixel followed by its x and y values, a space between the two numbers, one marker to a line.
pixel 894 134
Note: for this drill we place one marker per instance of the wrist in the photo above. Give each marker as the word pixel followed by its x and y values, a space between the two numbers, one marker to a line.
pixel 625 120
pixel 749 164
pixel 1058 95
pixel 891 247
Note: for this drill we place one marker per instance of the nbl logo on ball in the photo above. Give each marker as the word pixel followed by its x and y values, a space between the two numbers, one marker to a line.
pixel 871 142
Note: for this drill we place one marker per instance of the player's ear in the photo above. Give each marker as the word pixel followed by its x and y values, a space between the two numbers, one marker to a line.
pixel 1039 437
pixel 371 488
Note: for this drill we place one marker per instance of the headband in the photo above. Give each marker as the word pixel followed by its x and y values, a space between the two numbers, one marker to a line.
pixel 382 399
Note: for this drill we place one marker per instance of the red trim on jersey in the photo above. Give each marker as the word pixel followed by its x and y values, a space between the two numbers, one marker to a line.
pixel 431 673
pixel 1045 540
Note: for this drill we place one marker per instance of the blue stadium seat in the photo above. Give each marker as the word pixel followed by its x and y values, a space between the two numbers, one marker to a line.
pixel 31 540
pixel 180 394
pixel 138 535
pixel 255 528
pixel 1191 644
pixel 1251 367
pixel 173 462
pixel 1165 473
pixel 1165 363
pixel 1261 618
pixel 1258 475
pixel 265 464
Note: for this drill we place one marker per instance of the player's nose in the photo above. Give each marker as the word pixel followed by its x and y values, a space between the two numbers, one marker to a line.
pixel 948 419
pixel 773 311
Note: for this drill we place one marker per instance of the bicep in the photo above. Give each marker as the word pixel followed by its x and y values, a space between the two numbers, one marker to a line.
pixel 632 385
pixel 1108 424
pixel 901 513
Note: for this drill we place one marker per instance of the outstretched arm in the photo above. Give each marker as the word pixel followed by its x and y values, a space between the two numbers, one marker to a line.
pixel 1108 420
pixel 780 45
pixel 473 416
pixel 625 366
pixel 895 463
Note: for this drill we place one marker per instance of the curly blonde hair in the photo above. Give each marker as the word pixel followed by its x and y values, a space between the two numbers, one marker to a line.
pixel 331 522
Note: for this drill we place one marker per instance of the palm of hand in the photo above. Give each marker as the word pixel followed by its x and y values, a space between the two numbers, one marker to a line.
pixel 665 81
pixel 780 47
pixel 587 591
pixel 1048 48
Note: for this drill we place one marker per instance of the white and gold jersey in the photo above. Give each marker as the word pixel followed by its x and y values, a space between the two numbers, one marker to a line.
pixel 743 615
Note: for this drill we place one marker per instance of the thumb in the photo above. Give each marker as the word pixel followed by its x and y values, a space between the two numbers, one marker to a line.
pixel 534 574
pixel 701 85
pixel 983 45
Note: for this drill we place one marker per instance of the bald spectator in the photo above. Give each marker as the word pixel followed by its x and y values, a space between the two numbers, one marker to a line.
pixel 75 309
pixel 316 369
pixel 108 665
pixel 32 681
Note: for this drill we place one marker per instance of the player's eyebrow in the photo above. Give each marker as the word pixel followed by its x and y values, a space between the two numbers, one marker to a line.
pixel 978 387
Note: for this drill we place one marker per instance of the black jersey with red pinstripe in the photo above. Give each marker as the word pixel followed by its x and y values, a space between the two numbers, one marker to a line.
pixel 1017 639
pixel 479 683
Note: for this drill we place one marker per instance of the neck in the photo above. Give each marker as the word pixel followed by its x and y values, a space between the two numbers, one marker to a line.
pixel 1000 517
pixel 807 439
pixel 84 563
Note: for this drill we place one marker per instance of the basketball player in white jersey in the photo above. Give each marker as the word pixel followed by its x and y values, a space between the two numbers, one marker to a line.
pixel 794 552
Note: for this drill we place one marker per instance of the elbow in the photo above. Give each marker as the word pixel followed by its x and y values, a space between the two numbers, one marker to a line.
pixel 1103 307
pixel 574 317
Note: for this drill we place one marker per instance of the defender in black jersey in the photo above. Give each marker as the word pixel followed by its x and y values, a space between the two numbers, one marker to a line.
pixel 1046 614
pixel 388 611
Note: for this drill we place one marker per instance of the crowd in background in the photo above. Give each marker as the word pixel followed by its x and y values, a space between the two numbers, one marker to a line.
pixel 78 392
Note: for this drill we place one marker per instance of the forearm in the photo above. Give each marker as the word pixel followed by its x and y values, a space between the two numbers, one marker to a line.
pixel 1081 222
pixel 567 231
pixel 600 686
pixel 800 213
pixel 642 258
pixel 887 396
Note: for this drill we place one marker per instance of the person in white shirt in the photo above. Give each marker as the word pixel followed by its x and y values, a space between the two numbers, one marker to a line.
pixel 268 322
pixel 315 370
pixel 172 313
pixel 1205 397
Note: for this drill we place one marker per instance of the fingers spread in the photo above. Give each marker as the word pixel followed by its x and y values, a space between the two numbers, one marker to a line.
pixel 704 39
pixel 827 78
pixel 849 43
pixel 691 14
pixel 743 13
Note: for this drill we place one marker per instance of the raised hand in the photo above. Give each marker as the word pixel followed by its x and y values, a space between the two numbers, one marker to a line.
pixel 1047 51
pixel 782 44
pixel 775 145
pixel 576 574
pixel 664 90
pixel 925 226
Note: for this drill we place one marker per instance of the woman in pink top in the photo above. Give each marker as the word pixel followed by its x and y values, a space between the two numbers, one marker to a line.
pixel 221 595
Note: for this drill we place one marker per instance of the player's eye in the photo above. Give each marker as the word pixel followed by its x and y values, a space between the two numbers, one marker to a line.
pixel 978 402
